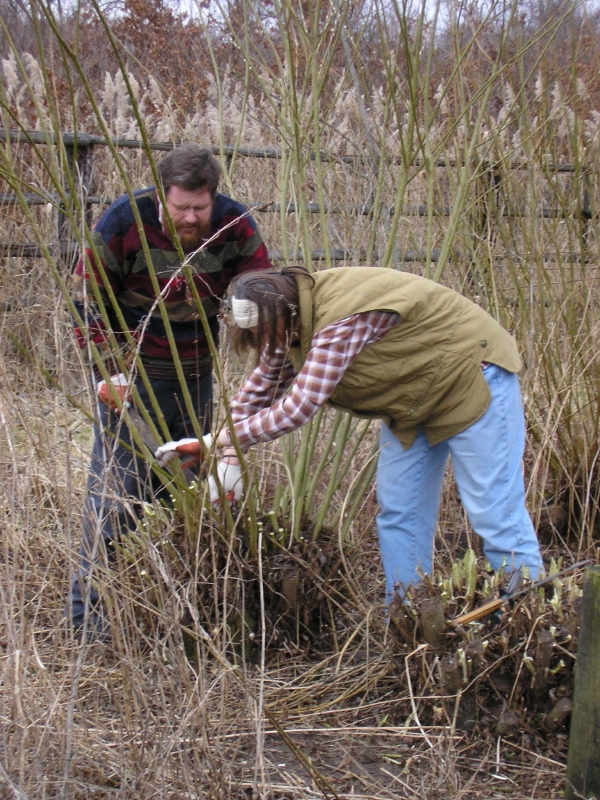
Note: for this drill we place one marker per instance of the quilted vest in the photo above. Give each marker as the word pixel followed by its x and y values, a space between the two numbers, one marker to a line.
pixel 426 372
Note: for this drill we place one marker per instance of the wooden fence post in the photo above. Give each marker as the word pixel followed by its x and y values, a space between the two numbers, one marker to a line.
pixel 586 212
pixel 80 159
pixel 583 764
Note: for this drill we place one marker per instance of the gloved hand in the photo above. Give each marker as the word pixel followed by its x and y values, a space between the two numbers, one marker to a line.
pixel 121 386
pixel 189 448
pixel 230 478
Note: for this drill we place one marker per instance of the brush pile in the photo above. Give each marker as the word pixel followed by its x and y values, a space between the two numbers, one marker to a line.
pixel 289 587
pixel 508 671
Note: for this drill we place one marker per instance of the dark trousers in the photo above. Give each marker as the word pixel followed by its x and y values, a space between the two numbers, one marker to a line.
pixel 119 482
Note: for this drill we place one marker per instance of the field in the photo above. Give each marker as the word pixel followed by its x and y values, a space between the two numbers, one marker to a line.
pixel 251 656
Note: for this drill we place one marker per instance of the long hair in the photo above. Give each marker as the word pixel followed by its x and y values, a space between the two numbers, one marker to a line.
pixel 276 295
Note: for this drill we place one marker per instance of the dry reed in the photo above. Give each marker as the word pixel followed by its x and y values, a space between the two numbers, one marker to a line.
pixel 203 692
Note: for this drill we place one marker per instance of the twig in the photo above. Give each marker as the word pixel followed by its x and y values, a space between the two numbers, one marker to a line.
pixel 15 789
pixel 412 697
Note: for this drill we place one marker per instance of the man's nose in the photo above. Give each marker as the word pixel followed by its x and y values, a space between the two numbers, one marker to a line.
pixel 189 215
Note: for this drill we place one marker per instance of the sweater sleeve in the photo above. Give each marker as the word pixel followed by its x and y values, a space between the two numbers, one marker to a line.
pixel 101 263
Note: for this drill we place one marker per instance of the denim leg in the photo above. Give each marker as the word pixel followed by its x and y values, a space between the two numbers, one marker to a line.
pixel 409 484
pixel 172 404
pixel 118 482
pixel 487 461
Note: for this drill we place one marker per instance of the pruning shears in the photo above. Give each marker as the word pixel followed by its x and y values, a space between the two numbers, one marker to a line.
pixel 513 591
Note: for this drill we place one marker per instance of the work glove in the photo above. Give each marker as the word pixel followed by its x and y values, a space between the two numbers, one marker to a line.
pixel 188 448
pixel 122 388
pixel 230 478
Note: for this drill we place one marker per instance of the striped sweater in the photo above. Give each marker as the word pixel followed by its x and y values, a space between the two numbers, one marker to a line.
pixel 233 246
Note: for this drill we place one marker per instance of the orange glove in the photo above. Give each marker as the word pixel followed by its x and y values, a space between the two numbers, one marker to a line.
pixel 188 448
pixel 121 387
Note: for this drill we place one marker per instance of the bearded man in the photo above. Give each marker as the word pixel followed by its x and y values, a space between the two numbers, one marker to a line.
pixel 220 241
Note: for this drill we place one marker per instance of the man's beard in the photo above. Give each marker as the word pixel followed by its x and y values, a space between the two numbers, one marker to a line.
pixel 192 237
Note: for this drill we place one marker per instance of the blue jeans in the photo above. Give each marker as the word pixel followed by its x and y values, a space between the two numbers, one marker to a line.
pixel 119 482
pixel 487 461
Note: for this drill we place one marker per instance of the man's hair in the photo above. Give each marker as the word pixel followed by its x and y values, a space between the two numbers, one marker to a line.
pixel 191 167
pixel 277 297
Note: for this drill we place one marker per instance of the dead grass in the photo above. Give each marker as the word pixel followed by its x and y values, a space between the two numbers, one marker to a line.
pixel 183 702
pixel 156 714
pixel 160 712
pixel 205 691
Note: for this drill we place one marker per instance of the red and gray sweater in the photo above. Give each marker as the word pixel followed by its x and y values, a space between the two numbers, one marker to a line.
pixel 235 246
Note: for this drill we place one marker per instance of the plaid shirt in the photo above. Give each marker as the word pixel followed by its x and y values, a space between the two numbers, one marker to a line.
pixel 262 410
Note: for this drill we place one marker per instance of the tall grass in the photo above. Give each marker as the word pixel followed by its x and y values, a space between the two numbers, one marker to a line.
pixel 464 154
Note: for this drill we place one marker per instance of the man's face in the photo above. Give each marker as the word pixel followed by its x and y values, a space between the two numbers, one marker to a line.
pixel 191 213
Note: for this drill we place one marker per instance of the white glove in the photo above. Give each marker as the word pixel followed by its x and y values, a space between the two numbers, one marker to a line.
pixel 189 448
pixel 122 388
pixel 230 478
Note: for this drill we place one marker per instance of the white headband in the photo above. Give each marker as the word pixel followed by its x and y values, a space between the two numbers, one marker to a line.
pixel 245 312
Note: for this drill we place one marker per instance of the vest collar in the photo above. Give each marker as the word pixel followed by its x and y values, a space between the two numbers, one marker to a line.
pixel 305 302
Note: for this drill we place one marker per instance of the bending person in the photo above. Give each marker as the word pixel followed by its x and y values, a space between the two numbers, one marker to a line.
pixel 438 370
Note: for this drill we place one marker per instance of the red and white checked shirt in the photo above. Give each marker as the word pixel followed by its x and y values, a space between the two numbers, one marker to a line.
pixel 262 410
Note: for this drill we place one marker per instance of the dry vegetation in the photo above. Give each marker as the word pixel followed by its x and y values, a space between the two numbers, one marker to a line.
pixel 251 656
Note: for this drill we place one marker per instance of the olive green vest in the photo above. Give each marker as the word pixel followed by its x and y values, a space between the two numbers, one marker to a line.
pixel 427 370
